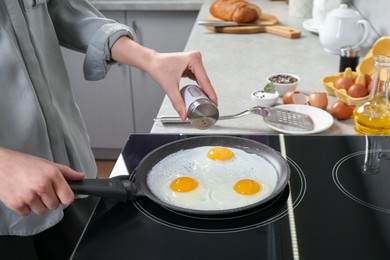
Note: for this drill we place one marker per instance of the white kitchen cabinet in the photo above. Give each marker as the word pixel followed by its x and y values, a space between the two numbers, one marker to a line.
pixel 127 100
pixel 106 105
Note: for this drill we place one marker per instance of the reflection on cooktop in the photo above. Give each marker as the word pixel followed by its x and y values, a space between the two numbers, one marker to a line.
pixel 371 190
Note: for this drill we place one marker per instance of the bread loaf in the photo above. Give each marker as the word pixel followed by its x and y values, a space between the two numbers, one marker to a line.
pixel 235 10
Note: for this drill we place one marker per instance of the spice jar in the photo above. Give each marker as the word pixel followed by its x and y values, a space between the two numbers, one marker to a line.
pixel 373 116
pixel 349 57
pixel 201 111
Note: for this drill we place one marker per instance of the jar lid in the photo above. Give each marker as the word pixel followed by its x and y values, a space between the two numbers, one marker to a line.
pixel 203 114
pixel 350 51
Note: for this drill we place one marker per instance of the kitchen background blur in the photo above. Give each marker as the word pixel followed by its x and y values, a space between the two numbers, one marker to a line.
pixel 128 100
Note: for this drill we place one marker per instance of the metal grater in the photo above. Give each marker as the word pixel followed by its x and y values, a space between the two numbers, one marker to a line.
pixel 281 118
pixel 287 118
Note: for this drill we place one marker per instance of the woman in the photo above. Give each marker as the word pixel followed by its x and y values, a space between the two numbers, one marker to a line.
pixel 43 140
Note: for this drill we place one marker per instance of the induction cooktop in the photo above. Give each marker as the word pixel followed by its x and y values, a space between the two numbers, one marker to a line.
pixel 332 208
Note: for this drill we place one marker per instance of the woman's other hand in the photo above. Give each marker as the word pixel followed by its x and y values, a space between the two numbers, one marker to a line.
pixel 29 183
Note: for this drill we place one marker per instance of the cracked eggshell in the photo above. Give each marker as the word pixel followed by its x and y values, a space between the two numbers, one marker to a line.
pixel 300 98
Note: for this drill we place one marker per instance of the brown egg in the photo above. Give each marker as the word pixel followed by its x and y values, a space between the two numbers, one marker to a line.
pixel 341 110
pixel 318 99
pixel 363 78
pixel 357 91
pixel 368 79
pixel 343 83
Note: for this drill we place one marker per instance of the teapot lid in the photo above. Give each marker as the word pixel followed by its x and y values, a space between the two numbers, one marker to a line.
pixel 344 12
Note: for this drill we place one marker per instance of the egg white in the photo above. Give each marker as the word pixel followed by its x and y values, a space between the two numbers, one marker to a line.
pixel 216 179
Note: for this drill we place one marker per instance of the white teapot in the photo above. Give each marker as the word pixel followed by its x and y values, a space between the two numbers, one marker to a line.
pixel 343 26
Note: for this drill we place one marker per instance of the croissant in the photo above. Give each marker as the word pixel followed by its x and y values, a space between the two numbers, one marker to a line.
pixel 235 10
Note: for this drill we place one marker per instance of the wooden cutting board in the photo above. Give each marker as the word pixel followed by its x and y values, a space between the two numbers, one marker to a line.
pixel 266 23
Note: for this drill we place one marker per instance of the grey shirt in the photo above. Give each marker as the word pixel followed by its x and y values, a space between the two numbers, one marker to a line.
pixel 38 114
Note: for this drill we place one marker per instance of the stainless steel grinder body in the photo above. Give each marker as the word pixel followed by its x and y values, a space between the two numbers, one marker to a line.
pixel 201 111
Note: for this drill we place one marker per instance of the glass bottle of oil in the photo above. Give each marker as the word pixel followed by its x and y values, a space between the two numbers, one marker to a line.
pixel 373 116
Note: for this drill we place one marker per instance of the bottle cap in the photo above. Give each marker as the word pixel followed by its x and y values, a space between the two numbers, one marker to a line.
pixel 203 114
pixel 350 51
pixel 201 111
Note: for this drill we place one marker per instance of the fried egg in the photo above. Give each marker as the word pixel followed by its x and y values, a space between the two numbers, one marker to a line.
pixel 212 178
pixel 220 153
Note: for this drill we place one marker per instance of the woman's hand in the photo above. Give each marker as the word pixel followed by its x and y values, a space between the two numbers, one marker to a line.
pixel 166 69
pixel 29 183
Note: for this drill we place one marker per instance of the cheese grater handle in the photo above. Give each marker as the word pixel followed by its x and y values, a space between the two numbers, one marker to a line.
pixel 263 111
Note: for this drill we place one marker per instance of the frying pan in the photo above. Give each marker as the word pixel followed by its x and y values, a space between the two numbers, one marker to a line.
pixel 125 190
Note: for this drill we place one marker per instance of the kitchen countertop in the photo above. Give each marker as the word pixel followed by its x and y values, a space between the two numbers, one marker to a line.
pixel 237 64
pixel 148 5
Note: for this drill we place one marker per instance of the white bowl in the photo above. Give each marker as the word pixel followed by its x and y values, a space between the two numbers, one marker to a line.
pixel 282 87
pixel 264 99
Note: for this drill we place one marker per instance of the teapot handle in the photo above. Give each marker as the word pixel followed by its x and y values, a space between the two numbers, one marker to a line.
pixel 366 27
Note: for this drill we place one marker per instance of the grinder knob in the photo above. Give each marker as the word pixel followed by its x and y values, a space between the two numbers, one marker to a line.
pixel 201 111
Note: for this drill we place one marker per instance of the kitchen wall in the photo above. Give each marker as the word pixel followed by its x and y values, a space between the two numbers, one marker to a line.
pixel 376 12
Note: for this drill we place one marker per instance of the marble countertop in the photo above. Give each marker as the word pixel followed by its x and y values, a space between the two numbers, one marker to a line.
pixel 237 64
pixel 148 5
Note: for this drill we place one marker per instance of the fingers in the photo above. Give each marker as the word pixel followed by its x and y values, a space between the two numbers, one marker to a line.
pixel 61 187
pixel 38 206
pixel 46 197
pixel 195 71
pixel 23 210
pixel 47 194
pixel 49 199
pixel 199 72
pixel 168 68
pixel 33 202
pixel 177 103
pixel 31 184
pixel 69 173
pixel 189 74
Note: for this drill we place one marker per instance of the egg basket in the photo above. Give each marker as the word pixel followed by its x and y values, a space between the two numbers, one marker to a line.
pixel 382 47
pixel 329 82
pixel 366 65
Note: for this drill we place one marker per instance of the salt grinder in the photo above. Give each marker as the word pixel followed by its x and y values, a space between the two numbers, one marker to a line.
pixel 201 111
pixel 349 57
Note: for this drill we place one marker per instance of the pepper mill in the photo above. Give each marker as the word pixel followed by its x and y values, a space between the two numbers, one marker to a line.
pixel 349 57
pixel 201 111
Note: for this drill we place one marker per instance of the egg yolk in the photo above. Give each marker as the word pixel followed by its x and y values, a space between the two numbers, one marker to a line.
pixel 184 184
pixel 220 153
pixel 247 187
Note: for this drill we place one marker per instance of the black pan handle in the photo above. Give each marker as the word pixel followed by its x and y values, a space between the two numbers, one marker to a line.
pixel 120 190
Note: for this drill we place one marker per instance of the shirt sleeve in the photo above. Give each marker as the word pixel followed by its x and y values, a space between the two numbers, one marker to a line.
pixel 81 27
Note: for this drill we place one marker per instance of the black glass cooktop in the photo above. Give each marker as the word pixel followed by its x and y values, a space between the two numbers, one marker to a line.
pixel 331 209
